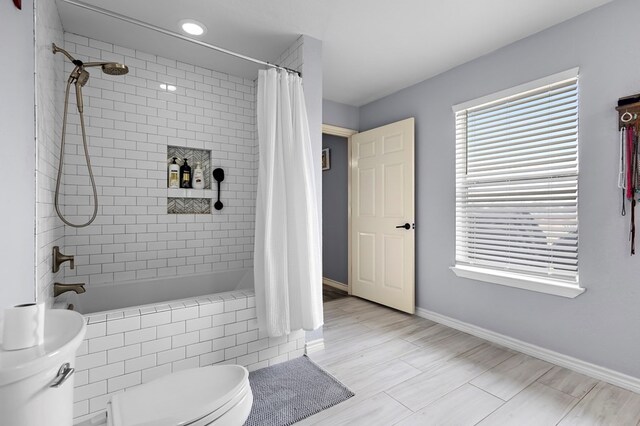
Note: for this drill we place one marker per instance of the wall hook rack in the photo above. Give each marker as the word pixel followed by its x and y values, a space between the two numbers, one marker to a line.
pixel 628 111
pixel 628 175
pixel 628 115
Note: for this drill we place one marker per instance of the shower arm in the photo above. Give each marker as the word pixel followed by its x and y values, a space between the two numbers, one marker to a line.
pixel 57 49
pixel 76 62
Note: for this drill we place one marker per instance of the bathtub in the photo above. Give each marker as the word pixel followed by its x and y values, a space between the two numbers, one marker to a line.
pixel 137 331
pixel 113 296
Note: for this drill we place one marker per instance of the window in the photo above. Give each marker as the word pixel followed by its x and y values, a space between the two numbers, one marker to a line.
pixel 517 187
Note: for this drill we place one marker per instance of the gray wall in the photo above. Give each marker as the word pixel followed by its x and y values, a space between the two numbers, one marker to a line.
pixel 335 191
pixel 601 325
pixel 17 253
pixel 340 115
pixel 335 211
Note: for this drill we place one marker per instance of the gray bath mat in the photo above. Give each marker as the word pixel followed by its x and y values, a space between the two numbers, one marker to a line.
pixel 289 392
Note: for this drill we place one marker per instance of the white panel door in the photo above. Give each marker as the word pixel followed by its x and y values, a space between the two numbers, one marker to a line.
pixel 382 194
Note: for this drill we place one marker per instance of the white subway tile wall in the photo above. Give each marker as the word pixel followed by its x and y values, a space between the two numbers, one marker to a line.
pixel 293 56
pixel 155 340
pixel 49 87
pixel 130 121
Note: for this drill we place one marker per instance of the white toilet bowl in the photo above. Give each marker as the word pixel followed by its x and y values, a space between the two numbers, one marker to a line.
pixel 215 395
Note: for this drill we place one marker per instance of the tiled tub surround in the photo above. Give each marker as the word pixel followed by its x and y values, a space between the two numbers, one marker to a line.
pixel 131 122
pixel 127 347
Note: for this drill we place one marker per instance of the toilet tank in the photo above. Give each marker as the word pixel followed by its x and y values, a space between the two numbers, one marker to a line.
pixel 36 384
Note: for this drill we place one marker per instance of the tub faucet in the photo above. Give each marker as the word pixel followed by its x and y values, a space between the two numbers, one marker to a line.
pixel 59 288
pixel 59 259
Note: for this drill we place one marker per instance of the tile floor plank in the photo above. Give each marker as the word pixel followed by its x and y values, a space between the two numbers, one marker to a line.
pixel 407 330
pixel 427 357
pixel 332 411
pixel 376 379
pixel 567 381
pixel 388 318
pixel 605 404
pixel 537 405
pixel 510 377
pixel 380 409
pixel 464 406
pixel 433 334
pixel 420 391
pixel 370 357
pixel 342 350
pixel 349 331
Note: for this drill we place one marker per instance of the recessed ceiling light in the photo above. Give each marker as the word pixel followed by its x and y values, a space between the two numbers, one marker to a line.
pixel 192 27
pixel 168 87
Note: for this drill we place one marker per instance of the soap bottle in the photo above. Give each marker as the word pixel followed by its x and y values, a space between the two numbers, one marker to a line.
pixel 198 177
pixel 174 174
pixel 185 175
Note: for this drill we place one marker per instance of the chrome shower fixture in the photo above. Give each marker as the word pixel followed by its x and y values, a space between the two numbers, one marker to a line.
pixel 111 68
pixel 79 78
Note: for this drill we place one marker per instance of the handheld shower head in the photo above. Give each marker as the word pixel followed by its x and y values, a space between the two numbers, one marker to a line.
pixel 83 77
pixel 79 77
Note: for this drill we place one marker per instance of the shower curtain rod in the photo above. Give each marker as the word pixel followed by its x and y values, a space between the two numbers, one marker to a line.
pixel 174 34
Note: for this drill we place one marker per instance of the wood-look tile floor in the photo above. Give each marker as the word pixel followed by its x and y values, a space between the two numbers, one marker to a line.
pixel 407 370
pixel 329 293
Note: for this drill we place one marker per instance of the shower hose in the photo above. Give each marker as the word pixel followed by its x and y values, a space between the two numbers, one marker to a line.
pixel 86 156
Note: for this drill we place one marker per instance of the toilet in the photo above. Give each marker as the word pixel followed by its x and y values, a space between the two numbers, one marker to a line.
pixel 36 387
pixel 214 395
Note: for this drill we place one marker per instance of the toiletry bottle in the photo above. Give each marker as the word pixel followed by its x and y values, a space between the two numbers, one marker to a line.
pixel 198 177
pixel 174 174
pixel 185 175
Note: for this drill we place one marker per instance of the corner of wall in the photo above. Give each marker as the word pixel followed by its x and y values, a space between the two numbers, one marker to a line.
pixel 340 115
pixel 49 70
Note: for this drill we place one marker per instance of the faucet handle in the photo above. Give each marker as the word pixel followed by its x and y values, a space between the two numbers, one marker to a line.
pixel 59 258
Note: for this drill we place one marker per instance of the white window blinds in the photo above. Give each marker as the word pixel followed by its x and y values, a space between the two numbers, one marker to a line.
pixel 517 184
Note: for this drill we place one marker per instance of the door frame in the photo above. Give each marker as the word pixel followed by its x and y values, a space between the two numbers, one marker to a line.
pixel 328 129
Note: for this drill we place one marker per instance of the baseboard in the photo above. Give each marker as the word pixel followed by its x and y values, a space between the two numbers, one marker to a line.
pixel 335 284
pixel 601 373
pixel 313 346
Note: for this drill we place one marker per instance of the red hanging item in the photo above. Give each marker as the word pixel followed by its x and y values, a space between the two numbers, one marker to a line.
pixel 630 153
pixel 18 4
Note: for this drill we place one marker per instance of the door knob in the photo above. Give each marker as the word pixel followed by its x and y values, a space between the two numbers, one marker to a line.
pixel 405 226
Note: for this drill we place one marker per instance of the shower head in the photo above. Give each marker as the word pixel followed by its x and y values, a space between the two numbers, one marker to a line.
pixel 110 68
pixel 113 68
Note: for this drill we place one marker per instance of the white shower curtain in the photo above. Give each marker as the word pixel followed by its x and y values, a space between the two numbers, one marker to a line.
pixel 287 258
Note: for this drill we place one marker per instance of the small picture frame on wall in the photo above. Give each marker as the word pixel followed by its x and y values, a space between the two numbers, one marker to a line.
pixel 326 159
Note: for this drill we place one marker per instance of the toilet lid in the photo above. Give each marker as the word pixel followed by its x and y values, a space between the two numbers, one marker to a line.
pixel 178 398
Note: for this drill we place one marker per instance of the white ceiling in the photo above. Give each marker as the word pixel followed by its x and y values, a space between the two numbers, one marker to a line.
pixel 371 48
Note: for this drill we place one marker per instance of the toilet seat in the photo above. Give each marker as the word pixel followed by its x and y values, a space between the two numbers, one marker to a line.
pixel 194 397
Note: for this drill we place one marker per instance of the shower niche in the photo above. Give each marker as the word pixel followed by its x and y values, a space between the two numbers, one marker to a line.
pixel 190 201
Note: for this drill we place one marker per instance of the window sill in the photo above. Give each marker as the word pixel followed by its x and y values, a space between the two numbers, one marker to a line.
pixel 539 285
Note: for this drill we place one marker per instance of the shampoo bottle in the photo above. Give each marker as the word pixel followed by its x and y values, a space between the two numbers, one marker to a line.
pixel 198 177
pixel 185 175
pixel 174 174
